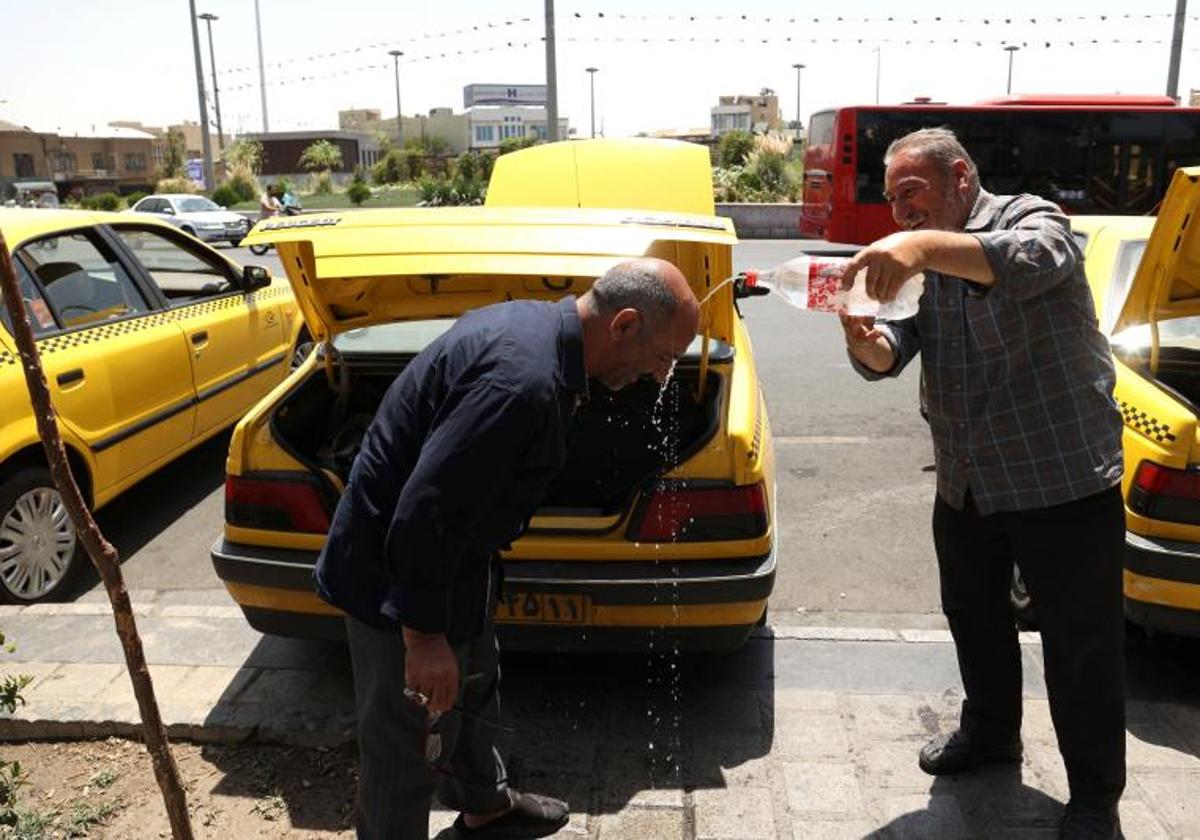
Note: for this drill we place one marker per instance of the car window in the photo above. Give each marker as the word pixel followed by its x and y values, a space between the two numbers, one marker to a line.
pixel 195 204
pixel 83 280
pixel 41 319
pixel 182 274
pixel 1129 256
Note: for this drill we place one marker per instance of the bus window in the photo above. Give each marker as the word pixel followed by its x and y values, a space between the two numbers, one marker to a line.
pixel 1050 156
pixel 820 129
pixel 1181 144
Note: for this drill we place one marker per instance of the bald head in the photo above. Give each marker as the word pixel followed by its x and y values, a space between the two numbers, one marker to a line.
pixel 638 317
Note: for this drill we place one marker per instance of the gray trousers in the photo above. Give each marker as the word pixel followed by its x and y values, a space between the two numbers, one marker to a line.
pixel 396 780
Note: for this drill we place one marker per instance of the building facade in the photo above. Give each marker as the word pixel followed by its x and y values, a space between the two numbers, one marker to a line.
pixel 79 161
pixel 282 151
pixel 757 114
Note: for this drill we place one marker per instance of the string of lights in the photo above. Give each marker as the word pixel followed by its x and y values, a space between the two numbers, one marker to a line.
pixel 986 21
pixel 379 45
pixel 977 42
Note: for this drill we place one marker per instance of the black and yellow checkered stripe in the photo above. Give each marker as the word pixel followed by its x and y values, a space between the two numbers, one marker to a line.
pixel 1143 423
pixel 114 329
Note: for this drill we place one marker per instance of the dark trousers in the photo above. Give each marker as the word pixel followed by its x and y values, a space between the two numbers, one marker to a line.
pixel 1070 558
pixel 396 778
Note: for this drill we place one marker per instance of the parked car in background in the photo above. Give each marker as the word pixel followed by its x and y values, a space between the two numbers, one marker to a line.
pixel 661 528
pixel 151 343
pixel 196 215
pixel 1145 279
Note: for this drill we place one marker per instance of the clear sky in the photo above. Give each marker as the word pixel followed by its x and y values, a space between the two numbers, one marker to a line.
pixel 662 63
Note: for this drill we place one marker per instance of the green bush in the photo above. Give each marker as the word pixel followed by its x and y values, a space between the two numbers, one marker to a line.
pixel 396 166
pixel 103 201
pixel 358 191
pixel 734 148
pixel 322 183
pixel 434 191
pixel 244 186
pixel 225 195
pixel 134 197
pixel 512 144
pixel 175 185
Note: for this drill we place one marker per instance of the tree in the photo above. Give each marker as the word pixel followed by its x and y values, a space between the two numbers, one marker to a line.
pixel 104 556
pixel 246 155
pixel 734 148
pixel 321 156
pixel 173 154
pixel 358 191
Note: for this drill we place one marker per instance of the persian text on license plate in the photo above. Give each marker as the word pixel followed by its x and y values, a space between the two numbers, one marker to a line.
pixel 543 608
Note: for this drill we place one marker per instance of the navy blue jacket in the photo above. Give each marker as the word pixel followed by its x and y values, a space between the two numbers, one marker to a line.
pixel 462 448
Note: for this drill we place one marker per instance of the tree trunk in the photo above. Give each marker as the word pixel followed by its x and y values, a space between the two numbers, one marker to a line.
pixel 104 556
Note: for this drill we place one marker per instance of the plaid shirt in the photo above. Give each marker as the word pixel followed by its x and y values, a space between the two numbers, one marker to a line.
pixel 1018 379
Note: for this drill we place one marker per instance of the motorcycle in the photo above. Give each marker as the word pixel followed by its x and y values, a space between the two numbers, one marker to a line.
pixel 291 209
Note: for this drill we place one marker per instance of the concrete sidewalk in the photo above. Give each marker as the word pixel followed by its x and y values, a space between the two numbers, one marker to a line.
pixel 808 732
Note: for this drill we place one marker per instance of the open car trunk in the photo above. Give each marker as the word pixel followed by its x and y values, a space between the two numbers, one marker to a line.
pixel 617 439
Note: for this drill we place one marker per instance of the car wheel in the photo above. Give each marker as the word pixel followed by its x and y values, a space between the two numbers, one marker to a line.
pixel 39 552
pixel 259 249
pixel 1022 604
pixel 304 347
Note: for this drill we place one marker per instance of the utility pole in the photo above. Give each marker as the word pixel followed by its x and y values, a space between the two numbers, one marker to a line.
pixel 1176 50
pixel 262 74
pixel 878 60
pixel 591 71
pixel 206 145
pixel 799 119
pixel 208 18
pixel 551 77
pixel 395 54
pixel 1010 49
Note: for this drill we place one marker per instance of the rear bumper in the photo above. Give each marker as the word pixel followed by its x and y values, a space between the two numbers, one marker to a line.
pixel 699 604
pixel 1162 584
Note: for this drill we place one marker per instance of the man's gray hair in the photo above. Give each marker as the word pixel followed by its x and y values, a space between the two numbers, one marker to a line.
pixel 937 144
pixel 634 285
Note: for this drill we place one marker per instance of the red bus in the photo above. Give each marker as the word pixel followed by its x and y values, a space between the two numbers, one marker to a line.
pixel 1089 154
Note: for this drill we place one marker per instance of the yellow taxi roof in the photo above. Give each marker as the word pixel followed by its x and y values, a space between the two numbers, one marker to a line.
pixel 1167 282
pixel 19 224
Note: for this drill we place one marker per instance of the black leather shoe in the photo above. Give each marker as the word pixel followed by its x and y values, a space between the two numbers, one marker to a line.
pixel 1084 822
pixel 958 752
pixel 531 815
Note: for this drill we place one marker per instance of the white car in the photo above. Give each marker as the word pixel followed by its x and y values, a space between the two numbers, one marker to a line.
pixel 197 215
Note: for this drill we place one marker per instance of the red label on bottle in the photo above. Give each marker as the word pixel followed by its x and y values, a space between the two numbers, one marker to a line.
pixel 824 282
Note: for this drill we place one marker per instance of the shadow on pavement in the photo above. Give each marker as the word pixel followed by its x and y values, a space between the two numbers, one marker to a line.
pixel 1163 690
pixel 602 730
pixel 990 804
pixel 147 509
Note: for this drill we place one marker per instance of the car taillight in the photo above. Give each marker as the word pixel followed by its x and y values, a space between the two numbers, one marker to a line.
pixel 680 513
pixel 1159 492
pixel 276 504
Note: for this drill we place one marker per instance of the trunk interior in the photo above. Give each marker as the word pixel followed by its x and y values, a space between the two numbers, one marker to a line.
pixel 617 440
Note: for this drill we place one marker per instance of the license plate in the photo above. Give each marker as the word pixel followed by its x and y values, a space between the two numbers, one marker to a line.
pixel 543 608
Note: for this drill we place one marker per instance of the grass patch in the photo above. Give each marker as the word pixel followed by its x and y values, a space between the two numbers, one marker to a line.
pixel 405 196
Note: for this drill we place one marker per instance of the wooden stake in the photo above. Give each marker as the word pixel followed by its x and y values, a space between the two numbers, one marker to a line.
pixel 104 556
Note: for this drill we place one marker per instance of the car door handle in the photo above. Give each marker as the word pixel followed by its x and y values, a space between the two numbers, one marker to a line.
pixel 200 337
pixel 70 377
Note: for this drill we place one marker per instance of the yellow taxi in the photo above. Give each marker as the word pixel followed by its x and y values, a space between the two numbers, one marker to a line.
pixel 1145 278
pixel 151 342
pixel 661 526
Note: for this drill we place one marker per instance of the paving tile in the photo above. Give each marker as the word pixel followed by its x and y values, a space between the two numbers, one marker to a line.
pixel 641 824
pixel 832 829
pixel 892 717
pixel 803 700
pixel 921 817
pixel 730 762
pixel 1173 796
pixel 211 684
pixel 893 765
pixel 1138 821
pixel 828 789
pixel 810 735
pixel 164 679
pixel 1153 745
pixel 742 813
pixel 80 681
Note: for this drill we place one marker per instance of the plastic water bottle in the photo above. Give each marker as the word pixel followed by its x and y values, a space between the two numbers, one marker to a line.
pixel 815 283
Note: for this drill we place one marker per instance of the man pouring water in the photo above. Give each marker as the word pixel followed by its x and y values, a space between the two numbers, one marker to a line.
pixel 1027 440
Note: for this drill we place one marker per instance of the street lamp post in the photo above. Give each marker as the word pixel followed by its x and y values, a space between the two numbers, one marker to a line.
pixel 1010 49
pixel 262 73
pixel 592 81
pixel 208 18
pixel 395 54
pixel 205 144
pixel 799 122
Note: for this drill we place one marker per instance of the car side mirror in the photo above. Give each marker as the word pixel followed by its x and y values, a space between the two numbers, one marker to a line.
pixel 255 277
pixel 170 211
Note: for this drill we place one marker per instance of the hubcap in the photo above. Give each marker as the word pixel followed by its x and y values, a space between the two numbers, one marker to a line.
pixel 36 544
